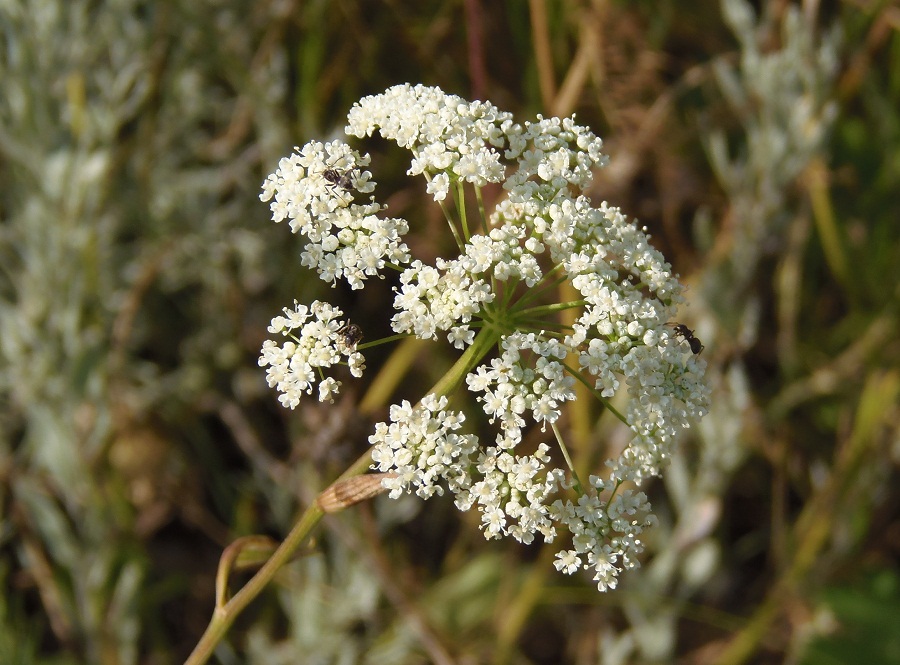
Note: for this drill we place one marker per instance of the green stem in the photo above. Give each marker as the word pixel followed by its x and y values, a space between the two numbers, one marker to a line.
pixel 225 613
pixel 484 341
pixel 597 395
pixel 548 309
pixel 549 327
pixel 509 292
pixel 612 494
pixel 460 196
pixel 578 487
pixel 542 286
pixel 484 219
pixel 449 219
pixel 383 340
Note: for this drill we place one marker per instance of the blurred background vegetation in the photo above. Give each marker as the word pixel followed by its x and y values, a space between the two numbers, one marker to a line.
pixel 138 272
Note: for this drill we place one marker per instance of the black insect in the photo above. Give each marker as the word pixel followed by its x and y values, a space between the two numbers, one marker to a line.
pixel 688 335
pixel 351 334
pixel 339 180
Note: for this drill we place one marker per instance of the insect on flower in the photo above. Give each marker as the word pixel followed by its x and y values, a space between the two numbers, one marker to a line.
pixel 688 335
pixel 339 180
pixel 351 334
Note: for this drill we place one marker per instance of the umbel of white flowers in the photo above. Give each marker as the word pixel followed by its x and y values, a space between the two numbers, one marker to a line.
pixel 495 302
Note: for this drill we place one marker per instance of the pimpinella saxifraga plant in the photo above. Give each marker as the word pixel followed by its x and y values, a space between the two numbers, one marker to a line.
pixel 494 301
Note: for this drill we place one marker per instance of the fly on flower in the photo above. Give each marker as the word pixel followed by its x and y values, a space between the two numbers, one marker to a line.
pixel 351 334
pixel 339 180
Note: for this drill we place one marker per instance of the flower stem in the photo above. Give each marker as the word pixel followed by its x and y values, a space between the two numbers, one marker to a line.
pixel 484 219
pixel 597 394
pixel 484 341
pixel 577 486
pixel 547 309
pixel 225 613
pixel 449 219
pixel 460 196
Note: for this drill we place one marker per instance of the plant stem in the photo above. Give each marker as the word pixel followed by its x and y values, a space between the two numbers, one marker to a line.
pixel 485 340
pixel 579 488
pixel 225 614
pixel 460 196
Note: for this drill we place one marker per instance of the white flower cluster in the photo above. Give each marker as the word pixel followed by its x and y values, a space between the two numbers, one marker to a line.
pixel 421 447
pixel 449 137
pixel 437 298
pixel 319 343
pixel 500 289
pixel 315 188
pixel 603 532
pixel 514 385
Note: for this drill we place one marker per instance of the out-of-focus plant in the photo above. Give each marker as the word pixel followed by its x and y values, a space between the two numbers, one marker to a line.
pixel 750 297
pixel 782 100
pixel 106 216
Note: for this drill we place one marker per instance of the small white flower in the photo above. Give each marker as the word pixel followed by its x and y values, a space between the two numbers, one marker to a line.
pixel 445 133
pixel 327 389
pixel 421 447
pixel 461 336
pixel 438 186
pixel 567 561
